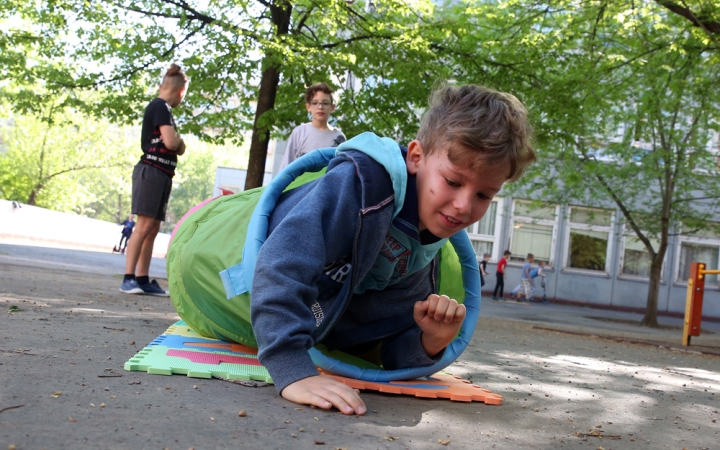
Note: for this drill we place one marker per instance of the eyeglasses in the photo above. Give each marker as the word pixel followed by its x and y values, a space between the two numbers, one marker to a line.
pixel 323 104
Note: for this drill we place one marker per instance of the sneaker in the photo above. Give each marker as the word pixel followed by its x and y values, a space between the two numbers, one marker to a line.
pixel 131 287
pixel 153 288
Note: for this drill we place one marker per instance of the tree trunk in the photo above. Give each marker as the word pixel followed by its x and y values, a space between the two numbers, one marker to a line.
pixel 32 198
pixel 261 133
pixel 281 11
pixel 650 318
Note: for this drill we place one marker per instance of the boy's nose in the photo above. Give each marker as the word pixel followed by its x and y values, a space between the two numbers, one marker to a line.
pixel 462 204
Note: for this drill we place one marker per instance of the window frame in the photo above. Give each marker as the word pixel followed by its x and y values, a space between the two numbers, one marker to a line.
pixel 533 221
pixel 570 226
pixel 621 260
pixel 710 242
pixel 494 238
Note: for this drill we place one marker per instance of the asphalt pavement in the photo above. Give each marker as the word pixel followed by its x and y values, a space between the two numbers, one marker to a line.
pixel 570 377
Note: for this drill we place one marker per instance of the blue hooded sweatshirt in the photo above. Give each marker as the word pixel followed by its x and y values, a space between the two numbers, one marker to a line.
pixel 343 265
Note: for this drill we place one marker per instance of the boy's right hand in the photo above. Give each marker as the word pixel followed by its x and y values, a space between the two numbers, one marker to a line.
pixel 181 148
pixel 325 392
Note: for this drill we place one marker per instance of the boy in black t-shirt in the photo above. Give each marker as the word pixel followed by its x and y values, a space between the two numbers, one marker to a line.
pixel 152 181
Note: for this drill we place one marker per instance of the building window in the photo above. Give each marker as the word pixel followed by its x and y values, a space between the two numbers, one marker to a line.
pixel 588 238
pixel 700 246
pixel 698 252
pixel 636 258
pixel 484 234
pixel 534 227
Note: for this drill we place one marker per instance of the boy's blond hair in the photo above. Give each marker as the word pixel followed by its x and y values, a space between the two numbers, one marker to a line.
pixel 491 129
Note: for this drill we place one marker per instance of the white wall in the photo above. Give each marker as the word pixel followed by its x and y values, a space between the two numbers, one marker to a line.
pixel 233 179
pixel 30 225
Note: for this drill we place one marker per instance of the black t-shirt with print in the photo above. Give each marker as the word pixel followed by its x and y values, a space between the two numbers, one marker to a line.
pixel 157 113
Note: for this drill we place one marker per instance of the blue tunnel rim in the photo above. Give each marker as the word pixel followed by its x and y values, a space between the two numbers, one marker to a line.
pixel 257 232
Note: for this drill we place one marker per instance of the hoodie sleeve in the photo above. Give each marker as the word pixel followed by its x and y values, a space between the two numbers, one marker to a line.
pixel 406 350
pixel 318 227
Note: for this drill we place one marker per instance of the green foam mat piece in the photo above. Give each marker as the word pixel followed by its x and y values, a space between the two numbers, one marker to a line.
pixel 163 360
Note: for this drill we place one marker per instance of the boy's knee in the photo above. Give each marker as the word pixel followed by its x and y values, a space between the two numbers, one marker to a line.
pixel 147 226
pixel 154 229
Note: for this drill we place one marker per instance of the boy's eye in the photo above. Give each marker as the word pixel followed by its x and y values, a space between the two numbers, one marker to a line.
pixel 451 182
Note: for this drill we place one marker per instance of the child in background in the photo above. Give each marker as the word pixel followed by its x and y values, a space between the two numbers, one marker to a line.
pixel 534 273
pixel 483 268
pixel 525 277
pixel 537 272
pixel 125 234
pixel 500 274
pixel 152 181
pixel 318 133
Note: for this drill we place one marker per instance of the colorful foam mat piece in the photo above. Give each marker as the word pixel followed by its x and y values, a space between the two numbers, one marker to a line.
pixel 180 350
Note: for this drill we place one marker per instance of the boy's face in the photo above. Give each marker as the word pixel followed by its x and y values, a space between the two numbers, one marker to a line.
pixel 531 259
pixel 450 198
pixel 320 107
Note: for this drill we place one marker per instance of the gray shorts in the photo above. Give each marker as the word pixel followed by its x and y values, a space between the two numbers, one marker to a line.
pixel 150 191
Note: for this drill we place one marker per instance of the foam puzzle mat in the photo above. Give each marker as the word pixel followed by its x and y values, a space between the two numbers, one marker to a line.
pixel 180 350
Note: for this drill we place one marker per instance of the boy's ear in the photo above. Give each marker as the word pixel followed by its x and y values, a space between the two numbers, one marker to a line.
pixel 414 156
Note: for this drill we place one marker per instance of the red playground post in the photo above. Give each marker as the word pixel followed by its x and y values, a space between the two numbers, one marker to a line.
pixel 694 300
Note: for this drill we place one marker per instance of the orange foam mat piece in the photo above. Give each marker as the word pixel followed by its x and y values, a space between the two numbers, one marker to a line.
pixel 437 386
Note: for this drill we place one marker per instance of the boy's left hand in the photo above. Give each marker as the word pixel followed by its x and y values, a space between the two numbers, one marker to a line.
pixel 439 317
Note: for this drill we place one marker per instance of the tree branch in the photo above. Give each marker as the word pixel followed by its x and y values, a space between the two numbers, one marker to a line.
pixel 711 27
pixel 194 14
pixel 76 168
pixel 626 214
pixel 355 39
pixel 304 18
pixel 126 74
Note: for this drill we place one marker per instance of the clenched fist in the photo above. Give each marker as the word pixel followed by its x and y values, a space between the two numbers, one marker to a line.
pixel 439 317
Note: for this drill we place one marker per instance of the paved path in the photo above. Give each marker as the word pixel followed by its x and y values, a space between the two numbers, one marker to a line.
pixel 62 383
pixel 74 260
pixel 603 322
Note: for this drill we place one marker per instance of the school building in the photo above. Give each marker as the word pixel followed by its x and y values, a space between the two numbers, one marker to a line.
pixel 592 257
